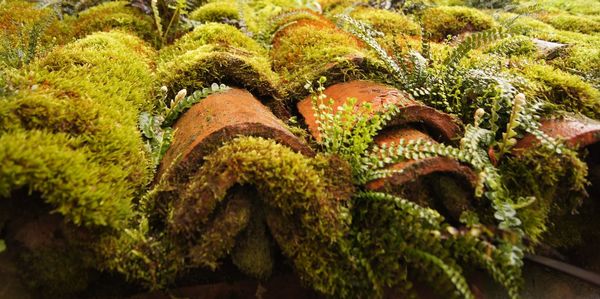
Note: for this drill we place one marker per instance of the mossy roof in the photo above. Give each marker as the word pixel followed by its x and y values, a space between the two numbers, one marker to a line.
pixel 69 117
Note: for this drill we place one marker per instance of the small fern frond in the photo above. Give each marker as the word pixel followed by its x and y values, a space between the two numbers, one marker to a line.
pixel 430 216
pixel 454 274
pixel 183 103
pixel 472 42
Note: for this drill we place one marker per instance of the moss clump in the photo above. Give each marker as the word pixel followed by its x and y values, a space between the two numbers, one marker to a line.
pixel 388 22
pixel 217 53
pixel 558 183
pixel 307 50
pixel 115 15
pixel 209 217
pixel 222 11
pixel 71 131
pixel 440 22
pixel 573 23
pixel 252 253
pixel 517 46
pixel 568 92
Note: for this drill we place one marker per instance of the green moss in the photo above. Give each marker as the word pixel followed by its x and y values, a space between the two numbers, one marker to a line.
pixel 216 12
pixel 212 34
pixel 22 25
pixel 311 194
pixel 388 22
pixel 516 46
pixel 442 21
pixel 573 23
pixel 252 253
pixel 568 92
pixel 115 15
pixel 71 131
pixel 308 50
pixel 217 53
pixel 557 182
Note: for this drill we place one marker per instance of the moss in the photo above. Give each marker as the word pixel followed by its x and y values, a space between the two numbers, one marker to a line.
pixel 252 253
pixel 568 92
pixel 212 34
pixel 439 22
pixel 558 184
pixel 517 46
pixel 215 12
pixel 115 15
pixel 217 53
pixel 79 107
pixel 311 194
pixel 308 50
pixel 388 22
pixel 572 23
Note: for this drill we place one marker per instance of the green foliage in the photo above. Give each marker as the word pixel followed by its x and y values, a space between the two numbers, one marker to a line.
pixel 348 132
pixel 157 128
pixel 472 42
pixel 2 245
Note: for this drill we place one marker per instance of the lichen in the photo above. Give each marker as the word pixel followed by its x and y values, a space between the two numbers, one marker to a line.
pixel 440 22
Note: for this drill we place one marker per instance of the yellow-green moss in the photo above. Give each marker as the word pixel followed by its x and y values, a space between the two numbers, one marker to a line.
pixel 568 92
pixel 218 35
pixel 439 22
pixel 216 12
pixel 308 50
pixel 71 130
pixel 114 15
pixel 388 22
pixel 557 182
pixel 217 53
pixel 572 23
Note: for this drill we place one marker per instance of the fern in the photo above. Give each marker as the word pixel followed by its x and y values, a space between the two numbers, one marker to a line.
pixel 183 103
pixel 473 41
pixel 453 274
pixel 156 128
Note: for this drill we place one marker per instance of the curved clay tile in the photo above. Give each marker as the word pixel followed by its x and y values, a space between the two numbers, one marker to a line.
pixel 442 126
pixel 578 132
pixel 413 169
pixel 218 119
